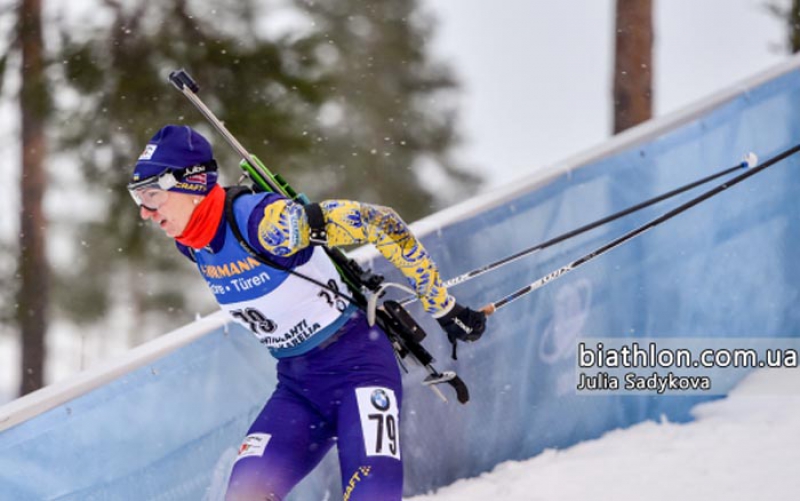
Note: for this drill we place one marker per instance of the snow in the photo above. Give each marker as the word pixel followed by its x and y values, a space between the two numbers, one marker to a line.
pixel 743 447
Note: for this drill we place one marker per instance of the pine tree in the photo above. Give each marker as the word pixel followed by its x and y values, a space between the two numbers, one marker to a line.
pixel 386 121
pixel 266 90
pixel 791 17
pixel 33 292
pixel 633 64
pixel 335 125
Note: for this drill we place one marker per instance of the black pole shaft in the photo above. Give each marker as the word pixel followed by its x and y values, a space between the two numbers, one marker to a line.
pixel 591 226
pixel 638 231
pixel 583 229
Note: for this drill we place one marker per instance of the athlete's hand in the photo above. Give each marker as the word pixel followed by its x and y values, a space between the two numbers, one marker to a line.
pixel 463 323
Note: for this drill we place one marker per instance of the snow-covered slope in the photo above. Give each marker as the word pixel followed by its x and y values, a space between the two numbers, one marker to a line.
pixel 743 447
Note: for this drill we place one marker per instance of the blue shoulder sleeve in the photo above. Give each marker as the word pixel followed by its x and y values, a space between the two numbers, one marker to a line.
pixel 250 210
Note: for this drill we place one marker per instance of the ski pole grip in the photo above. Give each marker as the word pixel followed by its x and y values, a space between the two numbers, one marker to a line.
pixel 181 79
pixel 489 309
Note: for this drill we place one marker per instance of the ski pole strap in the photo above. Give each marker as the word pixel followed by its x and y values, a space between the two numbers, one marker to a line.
pixel 316 223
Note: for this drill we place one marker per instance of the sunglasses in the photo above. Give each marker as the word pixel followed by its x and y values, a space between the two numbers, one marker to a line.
pixel 151 192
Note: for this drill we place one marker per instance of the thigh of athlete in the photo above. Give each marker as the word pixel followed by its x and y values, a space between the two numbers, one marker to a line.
pixel 367 417
pixel 369 443
pixel 285 442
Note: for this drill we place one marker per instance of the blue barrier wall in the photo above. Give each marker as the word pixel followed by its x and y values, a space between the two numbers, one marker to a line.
pixel 725 268
pixel 169 431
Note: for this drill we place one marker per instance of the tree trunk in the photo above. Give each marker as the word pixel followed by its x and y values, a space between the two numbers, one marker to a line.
pixel 633 64
pixel 32 299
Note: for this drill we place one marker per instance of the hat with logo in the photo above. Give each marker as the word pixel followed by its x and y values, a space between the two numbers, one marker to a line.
pixel 180 154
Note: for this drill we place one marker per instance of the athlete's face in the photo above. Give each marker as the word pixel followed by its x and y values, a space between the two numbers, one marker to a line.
pixel 173 214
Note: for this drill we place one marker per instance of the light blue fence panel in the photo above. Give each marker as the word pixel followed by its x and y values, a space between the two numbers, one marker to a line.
pixel 169 430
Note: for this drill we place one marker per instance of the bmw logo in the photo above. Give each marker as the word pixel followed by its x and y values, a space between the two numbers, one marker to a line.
pixel 380 400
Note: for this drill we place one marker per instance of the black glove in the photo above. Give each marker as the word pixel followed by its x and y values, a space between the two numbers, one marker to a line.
pixel 463 324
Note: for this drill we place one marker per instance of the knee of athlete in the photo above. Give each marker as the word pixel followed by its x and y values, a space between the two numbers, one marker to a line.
pixel 250 485
pixel 251 494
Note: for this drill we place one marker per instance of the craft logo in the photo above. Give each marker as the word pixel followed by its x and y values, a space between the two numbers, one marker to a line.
pixel 363 471
pixel 185 185
pixel 380 400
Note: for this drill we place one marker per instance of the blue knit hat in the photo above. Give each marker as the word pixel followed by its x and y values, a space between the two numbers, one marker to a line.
pixel 176 148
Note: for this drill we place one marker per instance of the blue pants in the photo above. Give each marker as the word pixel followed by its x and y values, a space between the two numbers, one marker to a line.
pixel 347 392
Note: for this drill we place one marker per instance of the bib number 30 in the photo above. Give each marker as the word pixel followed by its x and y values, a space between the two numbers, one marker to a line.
pixel 380 425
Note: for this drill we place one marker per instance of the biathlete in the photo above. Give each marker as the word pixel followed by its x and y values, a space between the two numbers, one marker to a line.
pixel 338 379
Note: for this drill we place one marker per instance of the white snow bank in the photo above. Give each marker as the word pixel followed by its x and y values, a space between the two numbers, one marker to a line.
pixel 743 447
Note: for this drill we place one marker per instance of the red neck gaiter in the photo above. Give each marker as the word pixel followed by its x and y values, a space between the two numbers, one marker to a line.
pixel 205 220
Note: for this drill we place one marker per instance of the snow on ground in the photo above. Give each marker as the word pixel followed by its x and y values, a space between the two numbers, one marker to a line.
pixel 743 447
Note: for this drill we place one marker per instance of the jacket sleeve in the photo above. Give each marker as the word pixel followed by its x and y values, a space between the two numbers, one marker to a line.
pixel 284 230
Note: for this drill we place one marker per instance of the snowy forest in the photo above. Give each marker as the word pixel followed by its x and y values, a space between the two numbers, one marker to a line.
pixel 340 97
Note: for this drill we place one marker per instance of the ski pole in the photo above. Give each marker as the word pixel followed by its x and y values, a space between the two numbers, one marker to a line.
pixel 491 308
pixel 750 160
